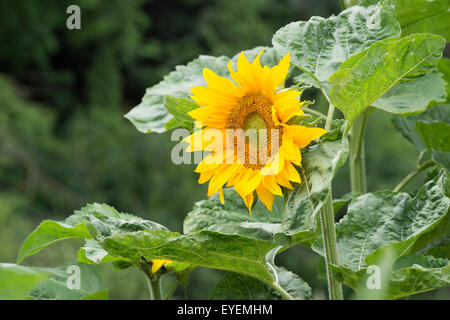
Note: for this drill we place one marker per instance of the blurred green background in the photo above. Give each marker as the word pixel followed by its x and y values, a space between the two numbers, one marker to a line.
pixel 64 141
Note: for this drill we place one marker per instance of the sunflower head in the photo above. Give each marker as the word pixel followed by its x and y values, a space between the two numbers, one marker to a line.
pixel 244 125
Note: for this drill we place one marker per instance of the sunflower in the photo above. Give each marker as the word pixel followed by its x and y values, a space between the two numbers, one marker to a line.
pixel 256 103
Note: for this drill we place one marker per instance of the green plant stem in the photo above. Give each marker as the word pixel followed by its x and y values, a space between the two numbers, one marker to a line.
pixel 315 112
pixel 329 233
pixel 172 290
pixel 154 286
pixel 329 242
pixel 357 154
pixel 284 293
pixel 411 175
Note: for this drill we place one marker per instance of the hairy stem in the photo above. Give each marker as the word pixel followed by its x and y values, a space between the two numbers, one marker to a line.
pixel 329 242
pixel 154 286
pixel 357 154
pixel 329 233
pixel 411 175
pixel 315 112
pixel 284 293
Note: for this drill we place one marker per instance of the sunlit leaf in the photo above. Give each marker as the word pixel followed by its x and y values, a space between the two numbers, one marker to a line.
pixel 385 221
pixel 319 46
pixel 369 75
pixel 151 115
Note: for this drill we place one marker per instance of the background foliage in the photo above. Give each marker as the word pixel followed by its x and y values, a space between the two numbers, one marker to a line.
pixel 64 141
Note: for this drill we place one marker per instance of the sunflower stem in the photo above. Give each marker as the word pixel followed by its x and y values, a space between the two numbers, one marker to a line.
pixel 154 286
pixel 329 233
pixel 357 154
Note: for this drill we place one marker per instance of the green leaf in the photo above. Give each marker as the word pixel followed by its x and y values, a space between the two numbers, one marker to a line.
pixel 179 107
pixel 369 75
pixel 57 287
pixel 235 286
pixel 20 282
pixel 233 217
pixel 444 68
pixel 435 135
pixel 151 115
pixel 104 221
pixel 385 221
pixel 410 275
pixel 340 202
pixel 429 131
pixel 319 165
pixel 424 16
pixel 49 232
pixel 407 125
pixel 319 46
pixel 413 96
pixel 93 253
pixel 204 248
pixel 17 281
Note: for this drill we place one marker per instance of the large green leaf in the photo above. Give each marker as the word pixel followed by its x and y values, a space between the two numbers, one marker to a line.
pixel 57 285
pixel 20 282
pixel 233 217
pixel 151 115
pixel 444 68
pixel 319 165
pixel 234 286
pixel 369 75
pixel 381 222
pixel 17 281
pixel 430 16
pixel 319 46
pixel 429 131
pixel 409 275
pixel 204 248
pixel 50 232
pixel 413 96
pixel 407 125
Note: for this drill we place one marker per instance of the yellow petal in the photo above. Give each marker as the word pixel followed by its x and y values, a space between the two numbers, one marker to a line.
pixel 301 135
pixel 265 196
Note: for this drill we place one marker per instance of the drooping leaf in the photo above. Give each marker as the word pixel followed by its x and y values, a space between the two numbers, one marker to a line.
pixel 49 232
pixel 319 46
pixel 424 16
pixel 233 217
pixel 444 68
pixel 72 282
pixel 151 115
pixel 204 248
pixel 108 221
pixel 429 131
pixel 410 275
pixel 17 281
pixel 369 75
pixel 436 137
pixel 413 96
pixel 234 286
pixel 319 165
pixel 385 221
